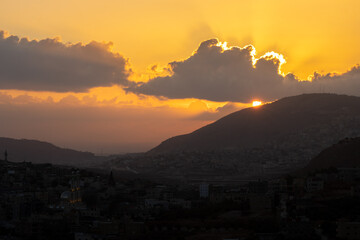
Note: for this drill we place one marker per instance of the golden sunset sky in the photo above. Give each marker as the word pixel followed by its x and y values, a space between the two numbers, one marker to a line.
pixel 102 82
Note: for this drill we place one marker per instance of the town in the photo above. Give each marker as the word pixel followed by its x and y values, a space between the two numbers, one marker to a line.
pixel 44 201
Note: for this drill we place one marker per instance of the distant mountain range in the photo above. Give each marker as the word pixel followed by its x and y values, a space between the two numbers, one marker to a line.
pixel 272 139
pixel 34 151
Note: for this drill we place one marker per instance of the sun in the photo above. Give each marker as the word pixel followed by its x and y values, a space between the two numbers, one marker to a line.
pixel 256 103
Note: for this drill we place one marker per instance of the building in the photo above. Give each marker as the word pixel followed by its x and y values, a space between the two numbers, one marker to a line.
pixel 204 189
pixel 348 230
pixel 314 184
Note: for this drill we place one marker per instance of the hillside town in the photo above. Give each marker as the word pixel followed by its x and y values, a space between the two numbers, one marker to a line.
pixel 43 201
pixel 277 156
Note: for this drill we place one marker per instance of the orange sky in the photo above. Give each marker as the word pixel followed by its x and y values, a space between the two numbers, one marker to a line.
pixel 313 36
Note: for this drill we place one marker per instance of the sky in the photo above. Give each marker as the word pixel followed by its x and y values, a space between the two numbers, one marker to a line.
pixel 122 76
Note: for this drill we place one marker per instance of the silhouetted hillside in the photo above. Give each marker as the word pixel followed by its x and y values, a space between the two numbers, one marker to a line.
pixel 253 127
pixel 264 141
pixel 43 152
pixel 345 153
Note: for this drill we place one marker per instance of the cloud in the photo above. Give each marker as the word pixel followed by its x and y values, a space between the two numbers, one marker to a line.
pixel 215 72
pixel 50 65
pixel 345 83
pixel 218 73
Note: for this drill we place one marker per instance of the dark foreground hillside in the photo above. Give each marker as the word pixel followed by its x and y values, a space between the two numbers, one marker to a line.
pixel 344 154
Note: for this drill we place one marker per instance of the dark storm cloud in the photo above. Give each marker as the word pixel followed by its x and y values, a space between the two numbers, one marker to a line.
pixel 234 74
pixel 50 65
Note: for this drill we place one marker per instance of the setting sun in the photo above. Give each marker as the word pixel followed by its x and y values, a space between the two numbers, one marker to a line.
pixel 256 103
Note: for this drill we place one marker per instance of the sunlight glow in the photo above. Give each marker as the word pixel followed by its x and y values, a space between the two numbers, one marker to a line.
pixel 278 56
pixel 256 103
pixel 223 45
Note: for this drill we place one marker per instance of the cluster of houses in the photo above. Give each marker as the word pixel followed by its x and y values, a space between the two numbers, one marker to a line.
pixel 42 201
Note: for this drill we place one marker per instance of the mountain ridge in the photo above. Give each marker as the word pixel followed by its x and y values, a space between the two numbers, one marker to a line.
pixel 262 142
pixel 36 151
pixel 246 128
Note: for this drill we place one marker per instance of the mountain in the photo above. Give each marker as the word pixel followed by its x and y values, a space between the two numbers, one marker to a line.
pixel 276 138
pixel 42 152
pixel 345 153
pixel 307 116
